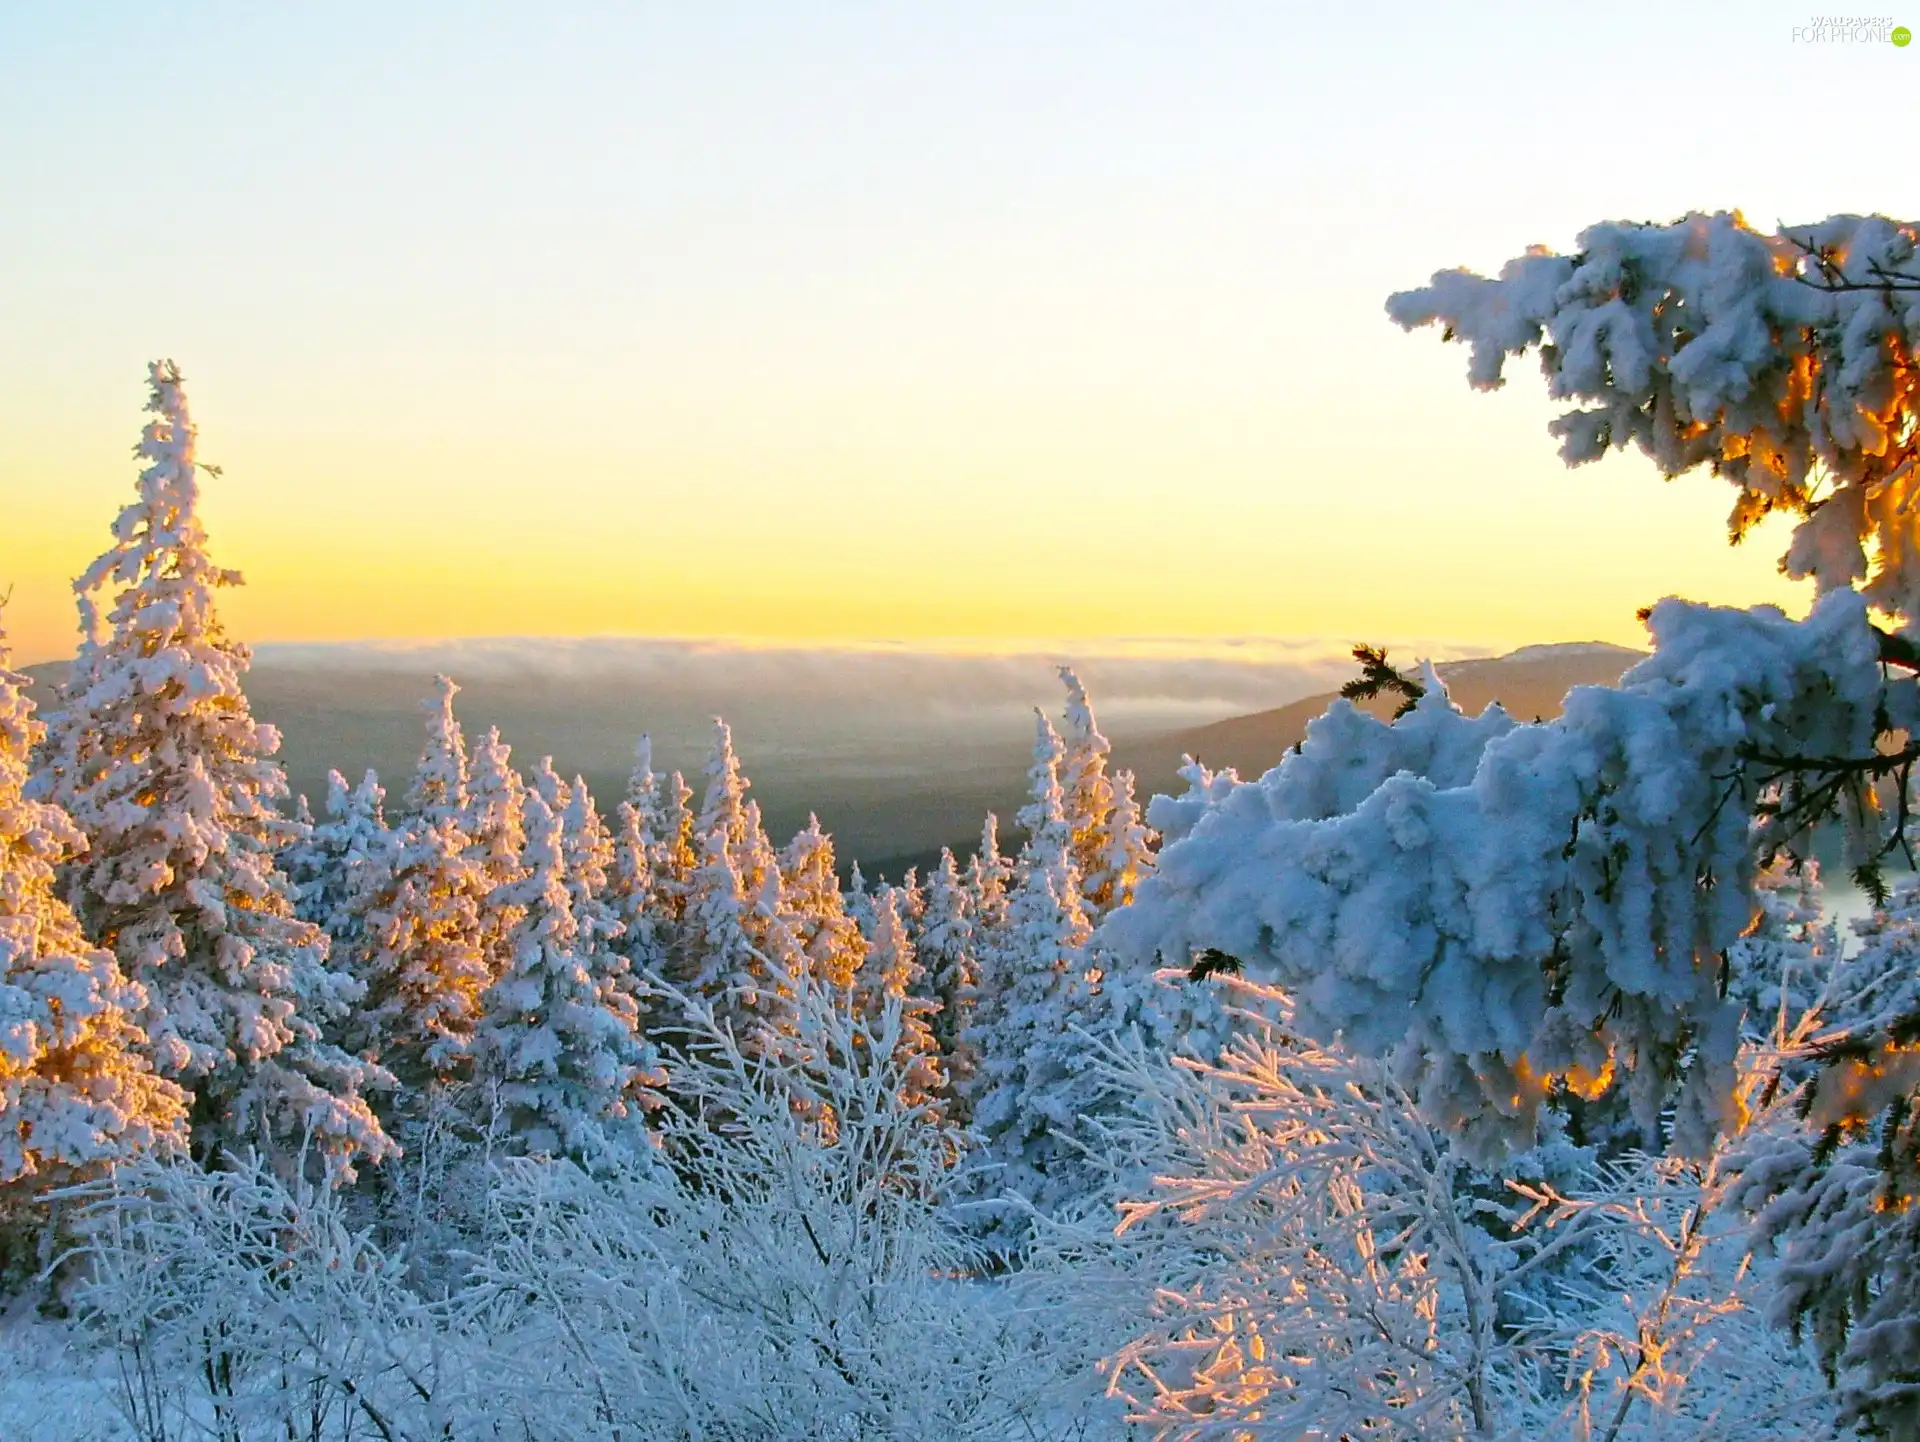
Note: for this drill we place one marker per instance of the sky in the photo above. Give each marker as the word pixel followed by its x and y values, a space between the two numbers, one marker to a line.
pixel 946 324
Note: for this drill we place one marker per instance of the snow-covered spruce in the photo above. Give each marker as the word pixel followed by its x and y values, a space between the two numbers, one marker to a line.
pixel 156 756
pixel 557 1061
pixel 76 1092
pixel 816 912
pixel 889 982
pixel 1031 1090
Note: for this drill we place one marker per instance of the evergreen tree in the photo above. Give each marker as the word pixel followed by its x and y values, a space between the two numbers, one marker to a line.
pixel 945 949
pixel 337 866
pixel 1111 846
pixel 157 757
pixel 1031 1067
pixel 816 913
pixel 723 806
pixel 546 782
pixel 76 1093
pixel 859 902
pixel 638 882
pixel 496 838
pixel 560 1063
pixel 892 971
pixel 424 961
pixel 496 832
pixel 439 790
pixel 747 988
pixel 988 874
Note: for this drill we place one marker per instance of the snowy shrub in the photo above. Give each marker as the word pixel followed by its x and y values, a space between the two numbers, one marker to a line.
pixel 1299 1255
pixel 240 1305
pixel 791 1276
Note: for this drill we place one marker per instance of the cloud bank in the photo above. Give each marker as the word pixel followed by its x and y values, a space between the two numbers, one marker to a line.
pixel 1157 674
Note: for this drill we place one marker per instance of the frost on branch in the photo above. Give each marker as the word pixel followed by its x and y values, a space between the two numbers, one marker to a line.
pixel 1503 910
pixel 1782 360
pixel 1310 1260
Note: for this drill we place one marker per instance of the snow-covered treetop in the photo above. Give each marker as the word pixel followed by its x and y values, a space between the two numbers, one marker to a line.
pixel 493 819
pixel 724 806
pixel 439 790
pixel 1780 359
pixel 1046 810
pixel 159 533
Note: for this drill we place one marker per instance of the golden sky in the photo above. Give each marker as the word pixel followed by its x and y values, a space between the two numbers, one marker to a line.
pixel 910 323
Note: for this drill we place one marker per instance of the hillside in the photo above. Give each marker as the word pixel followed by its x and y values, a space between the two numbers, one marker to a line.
pixel 1531 683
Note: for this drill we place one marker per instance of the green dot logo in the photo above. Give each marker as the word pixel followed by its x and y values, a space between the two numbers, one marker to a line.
pixel 1902 35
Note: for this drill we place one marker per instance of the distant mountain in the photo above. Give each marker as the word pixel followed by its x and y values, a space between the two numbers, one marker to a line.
pixel 1531 683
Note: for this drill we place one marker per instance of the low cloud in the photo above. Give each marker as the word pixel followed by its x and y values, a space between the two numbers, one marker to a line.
pixel 1156 674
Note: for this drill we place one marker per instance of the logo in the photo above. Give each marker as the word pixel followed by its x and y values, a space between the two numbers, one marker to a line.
pixel 1852 30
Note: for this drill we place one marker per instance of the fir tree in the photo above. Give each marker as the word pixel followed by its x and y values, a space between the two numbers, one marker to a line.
pixel 496 838
pixel 546 782
pixel 424 961
pixel 892 972
pixel 644 896
pixel 1030 1068
pixel 496 833
pixel 157 757
pixel 1111 846
pixel 859 902
pixel 76 1093
pixel 748 988
pixel 816 913
pixel 337 866
pixel 439 789
pixel 945 949
pixel 560 1063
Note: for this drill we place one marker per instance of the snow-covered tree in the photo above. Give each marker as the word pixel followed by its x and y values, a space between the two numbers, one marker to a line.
pixel 750 986
pixel 76 1091
pixel 559 1061
pixel 156 755
pixel 1778 359
pixel 548 785
pixel 816 912
pixel 1512 913
pixel 723 806
pixel 945 945
pixel 859 901
pixel 589 849
pixel 338 865
pixel 1111 847
pixel 438 792
pixel 496 833
pixel 496 837
pixel 1030 1089
pixel 423 960
pixel 1787 963
pixel 634 886
pixel 889 980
